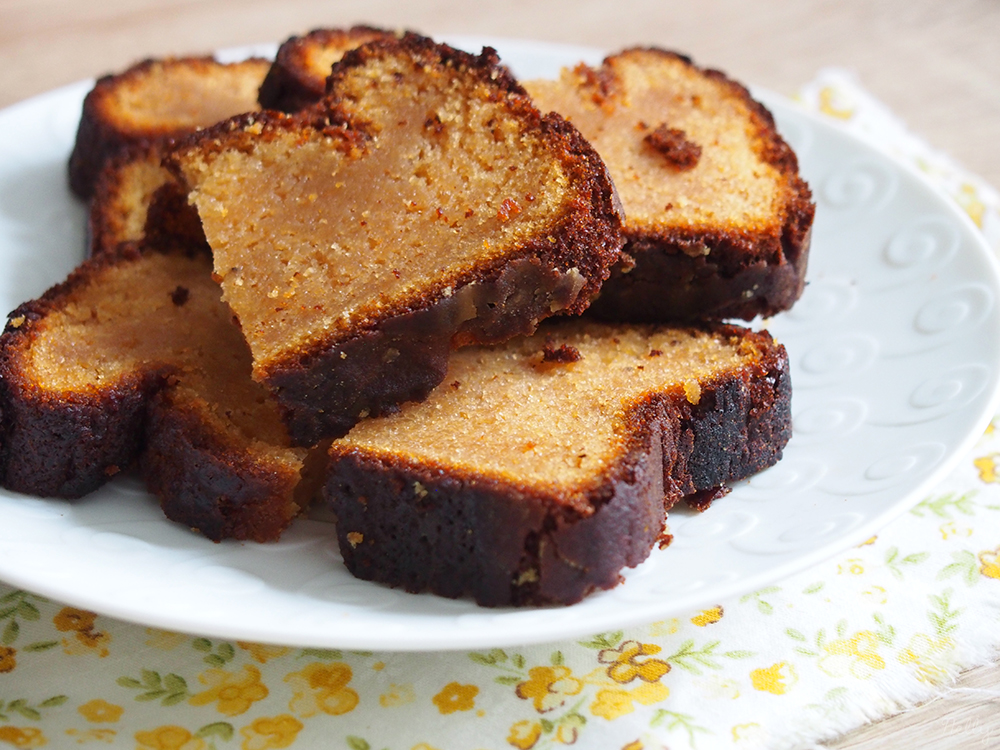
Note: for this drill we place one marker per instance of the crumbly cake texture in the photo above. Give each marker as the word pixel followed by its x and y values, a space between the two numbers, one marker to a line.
pixel 542 467
pixel 135 356
pixel 716 215
pixel 302 64
pixel 137 200
pixel 424 204
pixel 156 100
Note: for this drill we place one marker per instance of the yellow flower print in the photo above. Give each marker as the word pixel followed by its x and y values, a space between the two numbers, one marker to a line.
pixel 398 695
pixel 8 659
pixel 271 733
pixel 71 618
pixel 968 199
pixel 708 616
pixel 748 733
pixel 775 679
pixel 164 640
pixel 866 543
pixel 548 687
pixel 524 734
pixel 921 652
pixel 951 529
pixel 989 564
pixel 613 703
pixel 625 665
pixel 322 687
pixel 22 737
pixel 168 738
pixel 853 566
pixel 454 697
pixel 99 711
pixel 830 104
pixel 93 735
pixel 235 693
pixel 856 656
pixel 665 627
pixel 87 642
pixel 877 594
pixel 261 652
pixel 987 466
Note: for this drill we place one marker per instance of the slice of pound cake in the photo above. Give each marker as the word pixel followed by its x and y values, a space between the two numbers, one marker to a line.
pixel 136 356
pixel 542 467
pixel 137 200
pixel 298 76
pixel 717 217
pixel 155 100
pixel 424 204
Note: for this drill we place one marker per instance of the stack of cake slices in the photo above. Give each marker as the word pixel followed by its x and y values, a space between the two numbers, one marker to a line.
pixel 485 328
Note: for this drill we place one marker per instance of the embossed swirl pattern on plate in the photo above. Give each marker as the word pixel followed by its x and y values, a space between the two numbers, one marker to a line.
pixel 967 305
pixel 860 187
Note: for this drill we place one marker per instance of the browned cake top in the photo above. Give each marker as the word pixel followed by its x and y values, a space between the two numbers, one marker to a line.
pixel 180 94
pixel 686 147
pixel 149 312
pixel 316 52
pixel 443 172
pixel 122 196
pixel 554 411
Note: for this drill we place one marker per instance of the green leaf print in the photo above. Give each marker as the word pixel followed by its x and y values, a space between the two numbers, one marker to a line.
pixel 763 606
pixel 356 743
pixel 221 729
pixel 814 588
pixel 325 654
pixel 169 690
pixel 943 506
pixel 966 565
pixel 604 640
pixel 895 563
pixel 672 720
pixel 941 615
pixel 22 708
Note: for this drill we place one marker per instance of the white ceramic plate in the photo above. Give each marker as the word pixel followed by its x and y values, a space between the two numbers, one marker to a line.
pixel 894 349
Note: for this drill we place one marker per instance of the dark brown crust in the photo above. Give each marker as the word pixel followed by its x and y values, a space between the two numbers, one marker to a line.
pixel 206 482
pixel 290 85
pixel 99 136
pixel 684 275
pixel 66 445
pixel 433 528
pixel 328 387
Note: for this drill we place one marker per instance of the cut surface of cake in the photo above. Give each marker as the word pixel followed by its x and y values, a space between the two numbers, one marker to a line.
pixel 717 217
pixel 298 76
pixel 136 199
pixel 542 467
pixel 155 100
pixel 136 356
pixel 424 204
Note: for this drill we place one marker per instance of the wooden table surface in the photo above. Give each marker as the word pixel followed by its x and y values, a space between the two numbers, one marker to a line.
pixel 937 65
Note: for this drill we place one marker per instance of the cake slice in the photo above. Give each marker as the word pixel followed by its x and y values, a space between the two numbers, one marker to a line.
pixel 155 100
pixel 425 204
pixel 135 356
pixel 298 76
pixel 542 467
pixel 716 215
pixel 137 200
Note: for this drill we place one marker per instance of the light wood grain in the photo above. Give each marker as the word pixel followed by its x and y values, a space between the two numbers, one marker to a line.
pixel 936 64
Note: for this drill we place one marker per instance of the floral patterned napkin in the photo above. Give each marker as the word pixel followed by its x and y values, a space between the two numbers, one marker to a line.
pixel 876 629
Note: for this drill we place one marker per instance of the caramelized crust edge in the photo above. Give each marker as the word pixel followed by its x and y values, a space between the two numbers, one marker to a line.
pixel 426 527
